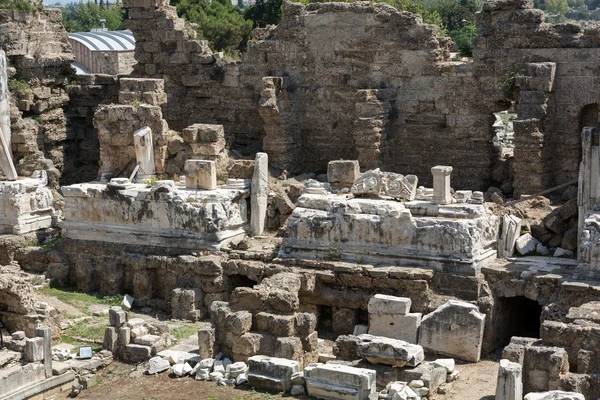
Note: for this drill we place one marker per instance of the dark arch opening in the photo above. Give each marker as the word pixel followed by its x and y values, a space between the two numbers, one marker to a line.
pixel 517 316
pixel 235 281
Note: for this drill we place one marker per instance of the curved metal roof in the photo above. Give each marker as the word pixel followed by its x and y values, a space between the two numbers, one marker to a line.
pixel 106 41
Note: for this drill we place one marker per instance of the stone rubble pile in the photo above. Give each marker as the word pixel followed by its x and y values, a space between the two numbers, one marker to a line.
pixel 265 320
pixel 134 340
pixel 219 369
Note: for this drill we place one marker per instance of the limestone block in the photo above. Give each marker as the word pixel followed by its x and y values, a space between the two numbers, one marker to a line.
pixel 200 174
pixel 455 329
pixel 34 349
pixel 117 316
pixel 554 395
pixel 342 173
pixel 277 324
pixel 147 340
pixel 526 244
pixel 258 197
pixel 385 304
pixel 137 353
pixel 510 381
pixel 334 381
pixel 158 364
pixel 345 347
pixel 401 327
pixel 511 229
pixel 206 342
pixel 111 339
pixel 387 351
pixel 238 322
pixel 271 373
pixel 431 375
pixel 127 302
pixel 441 184
pixel 144 150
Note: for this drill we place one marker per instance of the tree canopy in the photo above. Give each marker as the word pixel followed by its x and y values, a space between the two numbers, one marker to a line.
pixel 83 17
pixel 219 22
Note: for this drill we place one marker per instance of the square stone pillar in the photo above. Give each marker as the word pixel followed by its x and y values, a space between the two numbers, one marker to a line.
pixel 259 191
pixel 144 150
pixel 441 184
pixel 342 173
pixel 200 174
pixel 6 160
pixel 510 381
pixel 46 334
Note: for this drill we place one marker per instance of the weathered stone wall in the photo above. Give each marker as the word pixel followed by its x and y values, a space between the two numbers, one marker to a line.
pixel 202 87
pixel 36 47
pixel 332 88
pixel 375 86
pixel 556 85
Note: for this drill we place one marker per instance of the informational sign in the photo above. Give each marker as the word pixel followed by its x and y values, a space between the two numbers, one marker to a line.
pixel 85 352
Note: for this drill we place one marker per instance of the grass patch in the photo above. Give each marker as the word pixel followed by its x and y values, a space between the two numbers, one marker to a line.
pixel 81 300
pixel 184 331
pixel 67 339
pixel 19 86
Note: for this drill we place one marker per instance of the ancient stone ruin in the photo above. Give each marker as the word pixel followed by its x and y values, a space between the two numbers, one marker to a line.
pixel 339 214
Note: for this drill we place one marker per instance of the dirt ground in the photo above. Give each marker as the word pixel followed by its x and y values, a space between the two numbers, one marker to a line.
pixel 123 381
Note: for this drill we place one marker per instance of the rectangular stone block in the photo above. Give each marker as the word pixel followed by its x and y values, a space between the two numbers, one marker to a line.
pixel 206 342
pixel 342 173
pixel 137 353
pixel 334 381
pixel 455 329
pixel 277 324
pixel 431 375
pixel 385 304
pixel 271 373
pixel 34 349
pixel 381 350
pixel 510 381
pixel 111 340
pixel 200 174
pixel 117 317
pixel 401 327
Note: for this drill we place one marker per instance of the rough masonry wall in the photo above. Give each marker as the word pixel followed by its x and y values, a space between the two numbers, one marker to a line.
pixel 558 91
pixel 373 85
pixel 201 86
pixel 341 81
pixel 36 47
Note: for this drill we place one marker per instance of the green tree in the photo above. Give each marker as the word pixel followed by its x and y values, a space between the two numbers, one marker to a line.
pixel 454 13
pixel 219 22
pixel 463 37
pixel 557 7
pixel 83 17
pixel 264 12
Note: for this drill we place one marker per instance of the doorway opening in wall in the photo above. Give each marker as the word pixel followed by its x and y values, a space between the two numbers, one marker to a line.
pixel 503 142
pixel 235 281
pixel 517 316
pixel 324 319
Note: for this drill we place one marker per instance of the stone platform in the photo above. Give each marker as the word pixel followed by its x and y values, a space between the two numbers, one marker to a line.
pixel 26 204
pixel 164 215
pixel 454 238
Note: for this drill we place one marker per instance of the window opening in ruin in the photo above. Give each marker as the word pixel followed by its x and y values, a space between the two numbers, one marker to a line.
pixel 235 281
pixel 363 317
pixel 518 316
pixel 503 142
pixel 324 318
pixel 588 116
